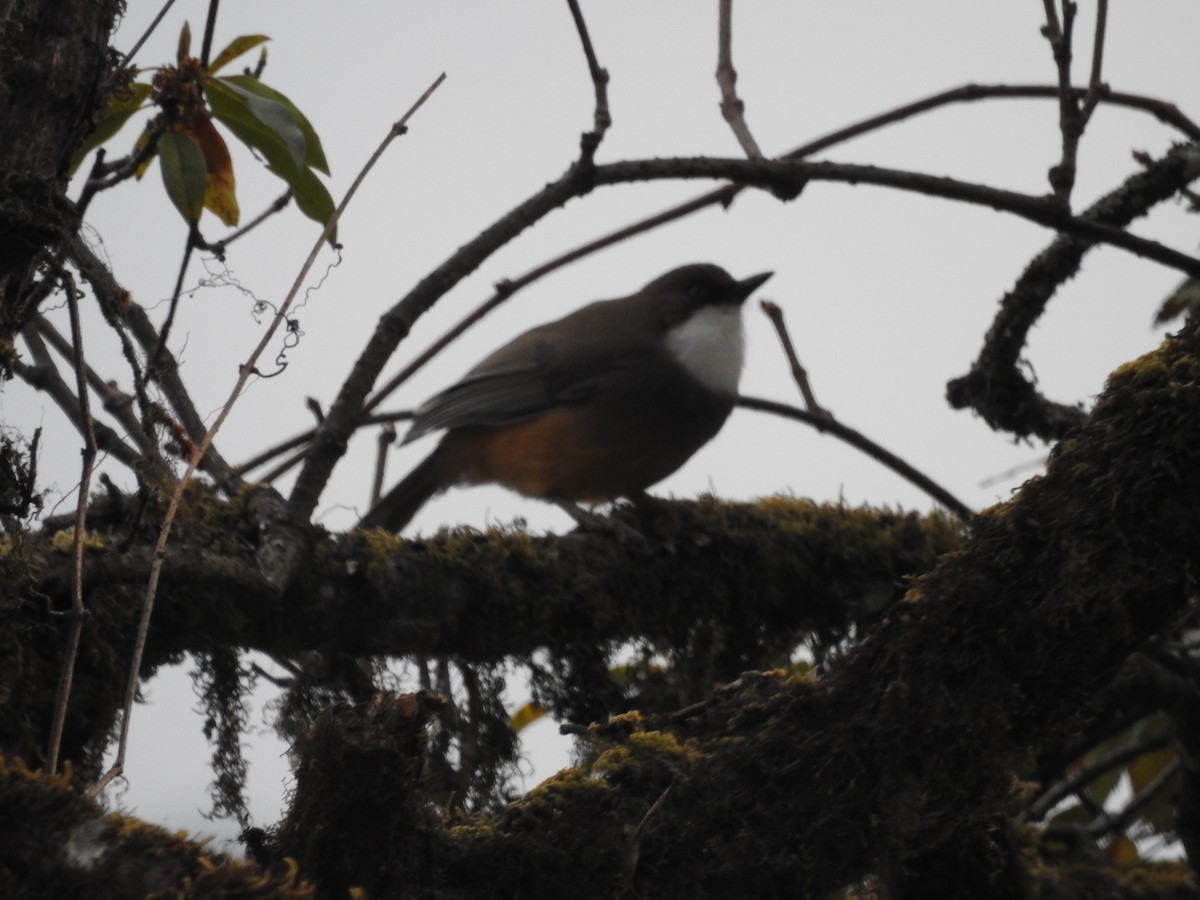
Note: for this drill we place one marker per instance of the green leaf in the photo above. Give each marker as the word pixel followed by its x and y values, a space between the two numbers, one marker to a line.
pixel 118 107
pixel 313 199
pixel 240 110
pixel 269 113
pixel 236 48
pixel 314 154
pixel 231 110
pixel 183 172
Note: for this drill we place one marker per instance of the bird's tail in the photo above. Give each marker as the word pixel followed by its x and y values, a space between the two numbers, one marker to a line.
pixel 400 504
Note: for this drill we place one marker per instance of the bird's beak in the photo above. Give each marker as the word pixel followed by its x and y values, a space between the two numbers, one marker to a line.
pixel 746 286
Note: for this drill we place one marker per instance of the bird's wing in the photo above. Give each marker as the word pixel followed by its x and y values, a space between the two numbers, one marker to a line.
pixel 537 371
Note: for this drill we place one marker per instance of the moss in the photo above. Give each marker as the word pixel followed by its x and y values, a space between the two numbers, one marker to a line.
pixel 54 843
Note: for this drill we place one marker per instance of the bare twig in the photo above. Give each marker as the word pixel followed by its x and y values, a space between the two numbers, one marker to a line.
pixel 787 176
pixel 387 437
pixel 633 845
pixel 145 35
pixel 116 403
pixel 104 176
pixel 995 386
pixel 210 26
pixel 1091 770
pixel 278 205
pixel 244 375
pixel 1070 119
pixel 1096 86
pixel 270 476
pixel 63 694
pixel 398 320
pixel 732 107
pixel 44 376
pixel 1106 823
pixel 824 423
pixel 799 375
pixel 304 437
pixel 314 407
pixel 120 310
pixel 602 117
pixel 165 331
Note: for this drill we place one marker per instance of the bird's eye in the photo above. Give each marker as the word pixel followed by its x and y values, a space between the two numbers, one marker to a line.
pixel 697 291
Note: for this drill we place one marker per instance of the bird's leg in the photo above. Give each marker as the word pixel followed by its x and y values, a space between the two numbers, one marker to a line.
pixel 589 521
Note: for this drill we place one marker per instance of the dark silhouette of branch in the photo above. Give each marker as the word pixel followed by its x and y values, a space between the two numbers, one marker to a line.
pixel 44 376
pixel 995 387
pixel 799 374
pixel 826 423
pixel 602 117
pixel 197 454
pixel 732 107
pixel 76 613
pixel 115 402
pixel 122 310
pixel 1089 771
pixel 788 177
pixel 1165 112
pixel 1070 121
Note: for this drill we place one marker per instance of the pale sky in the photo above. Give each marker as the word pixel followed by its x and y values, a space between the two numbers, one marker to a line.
pixel 887 294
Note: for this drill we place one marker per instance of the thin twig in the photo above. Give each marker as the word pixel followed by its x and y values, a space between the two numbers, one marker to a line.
pixel 245 373
pixel 724 196
pixel 633 848
pixel 44 376
pixel 602 117
pixel 861 442
pixel 1096 86
pixel 732 107
pixel 278 205
pixel 799 375
pixel 387 437
pixel 1091 770
pixel 116 403
pixel 1070 120
pixel 63 695
pixel 165 331
pixel 787 176
pixel 285 466
pixel 210 26
pixel 398 320
pixel 1108 823
pixel 145 35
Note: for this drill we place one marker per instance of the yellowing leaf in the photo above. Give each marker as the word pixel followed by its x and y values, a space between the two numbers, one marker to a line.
pixel 1122 850
pixel 236 48
pixel 526 716
pixel 141 142
pixel 183 173
pixel 1149 766
pixel 271 127
pixel 220 196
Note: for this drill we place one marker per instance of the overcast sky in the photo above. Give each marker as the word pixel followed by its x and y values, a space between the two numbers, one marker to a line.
pixel 888 294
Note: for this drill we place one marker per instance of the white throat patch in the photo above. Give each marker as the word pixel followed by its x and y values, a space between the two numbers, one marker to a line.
pixel 711 346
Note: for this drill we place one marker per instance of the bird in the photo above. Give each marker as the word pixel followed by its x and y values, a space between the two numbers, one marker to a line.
pixel 600 404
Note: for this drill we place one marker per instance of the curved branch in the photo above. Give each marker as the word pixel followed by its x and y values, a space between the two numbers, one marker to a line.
pixel 827 424
pixel 995 387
